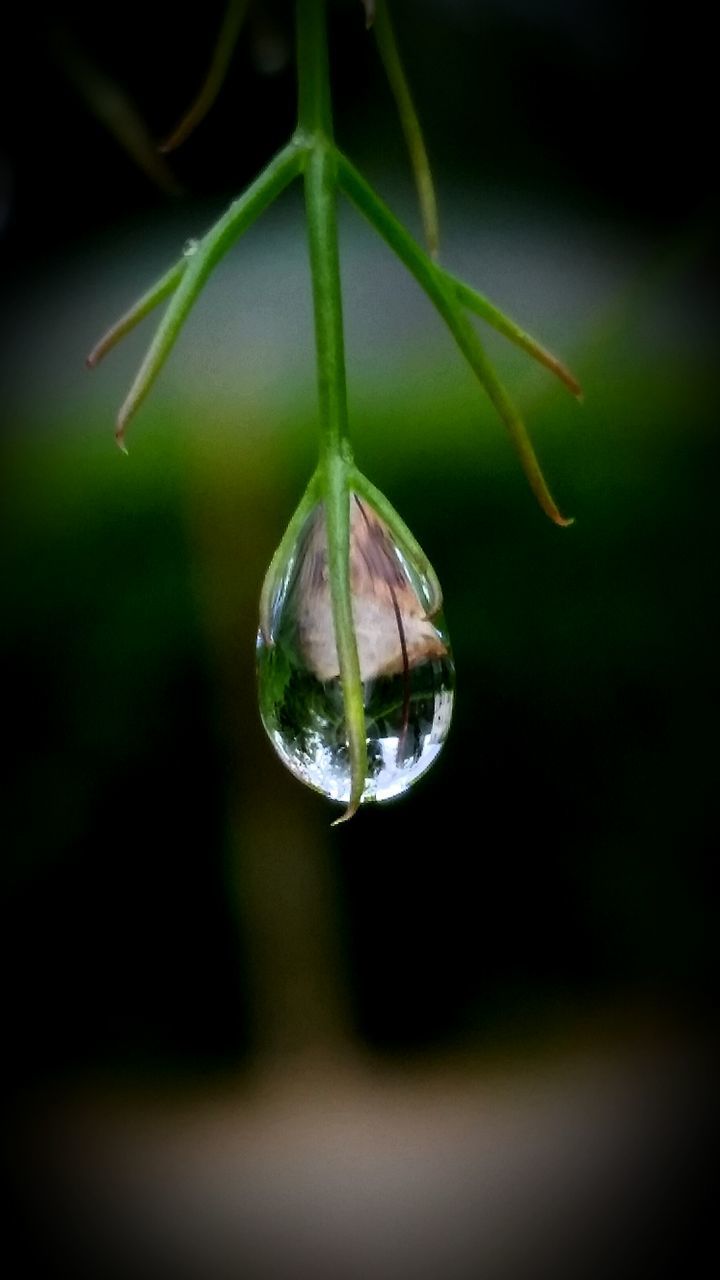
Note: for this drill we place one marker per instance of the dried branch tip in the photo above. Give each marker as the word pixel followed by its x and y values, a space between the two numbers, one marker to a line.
pixel 369 7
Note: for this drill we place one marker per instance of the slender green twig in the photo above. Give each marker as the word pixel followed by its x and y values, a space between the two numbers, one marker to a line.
pixel 315 123
pixel 161 290
pixel 369 7
pixel 474 353
pixel 487 310
pixel 241 214
pixel 441 292
pixel 410 122
pixel 222 53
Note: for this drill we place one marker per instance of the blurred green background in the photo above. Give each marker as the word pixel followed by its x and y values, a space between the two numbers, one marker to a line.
pixel 177 905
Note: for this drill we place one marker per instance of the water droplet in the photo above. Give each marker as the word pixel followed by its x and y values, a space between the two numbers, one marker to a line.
pixel 405 663
pixel 190 247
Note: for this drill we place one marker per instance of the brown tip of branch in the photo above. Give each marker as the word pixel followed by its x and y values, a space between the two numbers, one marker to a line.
pixel 369 7
pixel 548 505
pixel 571 382
pixel 176 138
pixel 100 349
pixel 120 436
pixel 562 372
pixel 554 514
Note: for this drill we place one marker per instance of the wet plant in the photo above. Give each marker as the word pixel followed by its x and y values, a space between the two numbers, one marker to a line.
pixel 354 663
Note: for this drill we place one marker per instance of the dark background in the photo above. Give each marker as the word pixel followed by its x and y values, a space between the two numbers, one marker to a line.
pixel 608 107
pixel 176 909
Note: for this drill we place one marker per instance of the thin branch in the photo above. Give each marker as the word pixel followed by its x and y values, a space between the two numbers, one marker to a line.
pixel 472 348
pixel 316 122
pixel 162 289
pixel 445 299
pixel 227 39
pixel 369 7
pixel 411 127
pixel 241 214
pixel 487 310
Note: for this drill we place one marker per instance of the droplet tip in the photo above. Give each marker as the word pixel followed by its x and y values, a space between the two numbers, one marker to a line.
pixel 120 440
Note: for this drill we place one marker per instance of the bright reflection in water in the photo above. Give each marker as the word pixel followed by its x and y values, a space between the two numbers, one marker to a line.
pixel 404 654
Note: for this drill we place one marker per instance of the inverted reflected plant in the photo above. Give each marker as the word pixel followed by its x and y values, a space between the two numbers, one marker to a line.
pixel 354 663
pixel 402 648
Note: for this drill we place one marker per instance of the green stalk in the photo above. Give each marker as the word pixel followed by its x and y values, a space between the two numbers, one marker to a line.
pixel 441 291
pixel 315 129
pixel 410 123
pixel 492 315
pixel 230 30
pixel 161 290
pixel 242 212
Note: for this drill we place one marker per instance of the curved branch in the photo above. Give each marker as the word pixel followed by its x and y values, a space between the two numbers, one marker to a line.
pixel 442 294
pixel 493 316
pixel 411 127
pixel 241 214
pixel 162 289
pixel 222 53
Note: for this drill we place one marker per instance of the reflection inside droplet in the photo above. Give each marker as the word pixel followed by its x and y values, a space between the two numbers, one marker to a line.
pixel 404 655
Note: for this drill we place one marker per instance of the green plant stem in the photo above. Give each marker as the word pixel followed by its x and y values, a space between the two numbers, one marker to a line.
pixel 442 293
pixel 242 212
pixel 492 315
pixel 320 200
pixel 315 130
pixel 313 70
pixel 161 290
pixel 313 153
pixel 227 39
pixel 410 123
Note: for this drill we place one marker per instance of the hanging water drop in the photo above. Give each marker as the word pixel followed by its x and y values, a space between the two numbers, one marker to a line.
pixel 190 247
pixel 404 654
